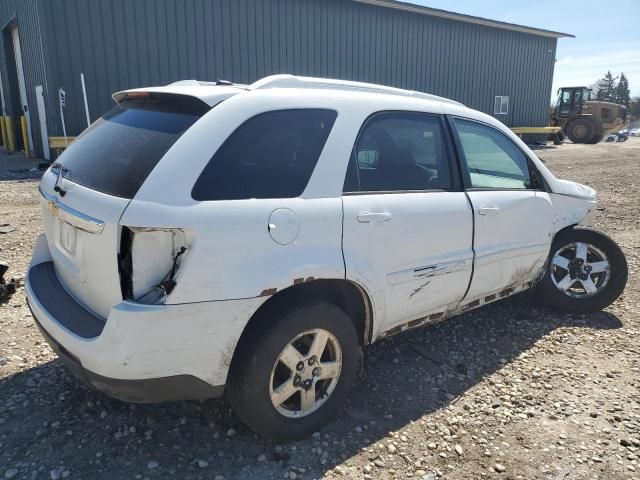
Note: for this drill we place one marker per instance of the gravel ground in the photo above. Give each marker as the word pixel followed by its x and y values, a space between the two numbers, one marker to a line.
pixel 509 391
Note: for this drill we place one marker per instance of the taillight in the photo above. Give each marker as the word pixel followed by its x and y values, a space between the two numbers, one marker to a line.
pixel 149 260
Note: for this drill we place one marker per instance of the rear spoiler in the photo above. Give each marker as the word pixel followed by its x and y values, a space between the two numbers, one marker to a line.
pixel 209 95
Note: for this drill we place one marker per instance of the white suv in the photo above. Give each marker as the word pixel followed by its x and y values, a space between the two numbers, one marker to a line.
pixel 204 239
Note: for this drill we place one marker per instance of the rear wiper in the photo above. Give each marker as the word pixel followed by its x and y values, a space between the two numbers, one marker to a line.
pixel 61 171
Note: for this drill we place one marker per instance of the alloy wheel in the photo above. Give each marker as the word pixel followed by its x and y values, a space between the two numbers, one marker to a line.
pixel 305 373
pixel 580 270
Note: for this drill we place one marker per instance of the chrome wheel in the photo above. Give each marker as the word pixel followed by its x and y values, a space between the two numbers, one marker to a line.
pixel 305 373
pixel 580 270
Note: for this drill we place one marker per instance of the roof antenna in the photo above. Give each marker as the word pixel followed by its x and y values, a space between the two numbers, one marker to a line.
pixel 223 82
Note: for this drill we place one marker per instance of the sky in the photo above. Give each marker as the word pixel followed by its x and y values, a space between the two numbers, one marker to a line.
pixel 607 35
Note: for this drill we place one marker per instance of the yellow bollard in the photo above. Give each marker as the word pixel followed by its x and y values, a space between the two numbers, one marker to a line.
pixel 25 135
pixel 4 132
pixel 11 139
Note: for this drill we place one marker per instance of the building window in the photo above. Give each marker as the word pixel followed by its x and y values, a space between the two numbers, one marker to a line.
pixel 501 106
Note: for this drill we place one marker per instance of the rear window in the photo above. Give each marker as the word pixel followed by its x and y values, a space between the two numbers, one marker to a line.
pixel 116 154
pixel 271 155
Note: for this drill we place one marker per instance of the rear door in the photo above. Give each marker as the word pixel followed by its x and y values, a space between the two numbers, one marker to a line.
pixel 407 223
pixel 512 213
pixel 85 193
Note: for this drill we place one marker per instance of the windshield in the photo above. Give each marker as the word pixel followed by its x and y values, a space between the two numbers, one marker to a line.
pixel 117 152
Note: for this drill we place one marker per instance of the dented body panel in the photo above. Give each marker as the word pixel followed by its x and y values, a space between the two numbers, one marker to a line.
pixel 418 260
pixel 512 244
pixel 150 341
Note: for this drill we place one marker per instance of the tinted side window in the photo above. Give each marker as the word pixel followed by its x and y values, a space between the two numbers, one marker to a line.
pixel 271 155
pixel 492 160
pixel 400 151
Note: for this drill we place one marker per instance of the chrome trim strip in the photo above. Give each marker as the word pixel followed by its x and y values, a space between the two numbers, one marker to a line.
pixel 72 216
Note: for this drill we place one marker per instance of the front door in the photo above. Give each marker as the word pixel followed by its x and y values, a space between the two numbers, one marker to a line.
pixel 512 213
pixel 407 223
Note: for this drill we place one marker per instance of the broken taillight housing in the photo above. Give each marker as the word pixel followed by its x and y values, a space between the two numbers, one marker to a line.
pixel 149 260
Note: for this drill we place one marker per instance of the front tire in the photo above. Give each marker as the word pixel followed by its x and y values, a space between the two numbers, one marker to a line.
pixel 293 370
pixel 586 272
pixel 581 130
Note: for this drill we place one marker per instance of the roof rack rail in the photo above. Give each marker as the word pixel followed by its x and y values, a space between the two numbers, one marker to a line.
pixel 189 83
pixel 292 81
pixel 198 83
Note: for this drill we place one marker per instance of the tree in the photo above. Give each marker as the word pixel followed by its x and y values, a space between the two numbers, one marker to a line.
pixel 607 87
pixel 622 92
pixel 595 89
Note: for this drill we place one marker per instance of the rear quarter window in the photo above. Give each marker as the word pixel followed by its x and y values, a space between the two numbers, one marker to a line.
pixel 271 155
pixel 117 152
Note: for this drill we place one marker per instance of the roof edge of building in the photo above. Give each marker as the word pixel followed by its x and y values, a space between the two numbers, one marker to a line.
pixel 434 12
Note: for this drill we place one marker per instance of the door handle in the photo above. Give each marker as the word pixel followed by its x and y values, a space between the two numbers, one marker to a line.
pixel 488 211
pixel 374 217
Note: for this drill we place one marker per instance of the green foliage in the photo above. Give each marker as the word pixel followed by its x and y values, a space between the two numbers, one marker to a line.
pixel 623 94
pixel 612 89
pixel 606 87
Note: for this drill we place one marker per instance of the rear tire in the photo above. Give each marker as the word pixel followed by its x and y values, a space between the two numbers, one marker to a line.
pixel 558 139
pixel 586 272
pixel 260 377
pixel 596 139
pixel 580 130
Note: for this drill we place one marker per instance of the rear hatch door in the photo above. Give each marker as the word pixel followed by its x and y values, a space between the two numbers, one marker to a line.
pixel 85 193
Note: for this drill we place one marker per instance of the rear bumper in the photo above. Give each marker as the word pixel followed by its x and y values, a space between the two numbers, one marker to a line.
pixel 152 390
pixel 140 353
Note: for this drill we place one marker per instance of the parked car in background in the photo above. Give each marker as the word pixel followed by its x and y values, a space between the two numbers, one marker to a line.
pixel 634 132
pixel 206 239
pixel 616 137
pixel 622 136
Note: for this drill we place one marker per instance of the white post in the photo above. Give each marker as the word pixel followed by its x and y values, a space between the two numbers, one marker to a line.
pixel 86 104
pixel 42 116
pixel 62 103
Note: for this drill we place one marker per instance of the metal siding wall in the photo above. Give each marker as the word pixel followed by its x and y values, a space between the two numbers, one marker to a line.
pixel 26 16
pixel 122 44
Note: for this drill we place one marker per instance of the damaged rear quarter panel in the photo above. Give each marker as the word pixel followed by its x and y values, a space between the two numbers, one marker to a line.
pixel 232 254
pixel 196 339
